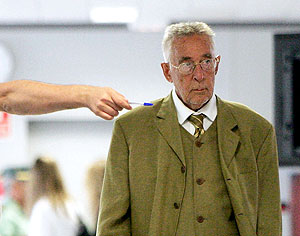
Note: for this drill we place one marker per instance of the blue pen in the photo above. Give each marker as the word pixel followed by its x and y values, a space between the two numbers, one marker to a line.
pixel 142 103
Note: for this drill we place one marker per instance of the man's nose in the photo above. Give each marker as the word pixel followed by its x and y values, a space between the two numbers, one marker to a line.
pixel 198 73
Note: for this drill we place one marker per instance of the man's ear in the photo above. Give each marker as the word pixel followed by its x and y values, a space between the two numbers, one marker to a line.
pixel 217 66
pixel 166 70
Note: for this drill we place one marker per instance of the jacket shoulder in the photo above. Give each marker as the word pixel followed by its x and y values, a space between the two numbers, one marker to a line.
pixel 243 114
pixel 141 113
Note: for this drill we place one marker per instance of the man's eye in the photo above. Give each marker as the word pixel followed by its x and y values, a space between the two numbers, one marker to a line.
pixel 207 61
pixel 185 67
pixel 187 64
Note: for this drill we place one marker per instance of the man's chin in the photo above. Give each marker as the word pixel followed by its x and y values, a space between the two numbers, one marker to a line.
pixel 197 104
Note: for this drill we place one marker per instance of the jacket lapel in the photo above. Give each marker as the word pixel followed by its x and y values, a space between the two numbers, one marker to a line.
pixel 228 140
pixel 168 126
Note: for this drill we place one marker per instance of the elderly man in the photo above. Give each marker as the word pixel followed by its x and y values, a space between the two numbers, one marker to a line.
pixel 192 164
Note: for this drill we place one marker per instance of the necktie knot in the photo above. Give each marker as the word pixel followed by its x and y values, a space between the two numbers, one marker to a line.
pixel 197 122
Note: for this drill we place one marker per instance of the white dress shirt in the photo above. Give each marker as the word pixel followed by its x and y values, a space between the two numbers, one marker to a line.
pixel 183 112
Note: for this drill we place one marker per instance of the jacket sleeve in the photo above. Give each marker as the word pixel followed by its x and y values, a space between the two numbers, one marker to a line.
pixel 269 207
pixel 114 213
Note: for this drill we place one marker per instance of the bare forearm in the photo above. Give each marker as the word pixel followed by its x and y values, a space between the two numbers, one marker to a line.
pixel 26 97
pixel 31 97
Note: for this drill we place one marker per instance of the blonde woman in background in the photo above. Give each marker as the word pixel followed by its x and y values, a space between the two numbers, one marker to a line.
pixel 94 180
pixel 52 211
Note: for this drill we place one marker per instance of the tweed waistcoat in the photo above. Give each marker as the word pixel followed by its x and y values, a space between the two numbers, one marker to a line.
pixel 206 208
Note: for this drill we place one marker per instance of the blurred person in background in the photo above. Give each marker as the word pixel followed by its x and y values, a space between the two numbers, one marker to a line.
pixel 14 221
pixel 93 181
pixel 25 97
pixel 52 212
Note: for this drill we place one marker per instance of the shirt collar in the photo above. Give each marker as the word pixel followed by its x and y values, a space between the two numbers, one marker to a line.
pixel 183 112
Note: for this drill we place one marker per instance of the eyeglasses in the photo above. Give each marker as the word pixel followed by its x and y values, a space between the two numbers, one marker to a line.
pixel 187 68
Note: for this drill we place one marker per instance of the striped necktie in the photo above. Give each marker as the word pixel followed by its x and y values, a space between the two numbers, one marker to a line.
pixel 197 121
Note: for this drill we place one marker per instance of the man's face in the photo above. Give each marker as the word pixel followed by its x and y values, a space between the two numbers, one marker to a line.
pixel 194 89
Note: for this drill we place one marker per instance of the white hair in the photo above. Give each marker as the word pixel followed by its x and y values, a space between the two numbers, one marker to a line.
pixel 183 29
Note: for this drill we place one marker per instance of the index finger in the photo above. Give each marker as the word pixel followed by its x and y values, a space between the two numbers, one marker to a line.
pixel 121 101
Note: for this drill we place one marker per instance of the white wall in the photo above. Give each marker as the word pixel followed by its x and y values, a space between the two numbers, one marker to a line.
pixel 247 73
pixel 153 14
pixel 14 146
pixel 120 59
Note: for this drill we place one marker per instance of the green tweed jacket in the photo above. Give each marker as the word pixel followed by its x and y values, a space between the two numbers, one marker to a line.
pixel 145 174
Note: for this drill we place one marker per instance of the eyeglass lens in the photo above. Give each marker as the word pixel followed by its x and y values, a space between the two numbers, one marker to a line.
pixel 188 68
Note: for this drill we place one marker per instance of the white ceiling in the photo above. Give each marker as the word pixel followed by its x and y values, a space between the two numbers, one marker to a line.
pixel 153 14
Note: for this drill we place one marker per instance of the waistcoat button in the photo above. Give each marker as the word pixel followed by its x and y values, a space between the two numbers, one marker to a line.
pixel 198 144
pixel 182 169
pixel 176 205
pixel 200 181
pixel 200 219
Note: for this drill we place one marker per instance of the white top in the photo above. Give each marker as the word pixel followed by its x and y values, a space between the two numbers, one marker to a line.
pixel 45 221
pixel 183 112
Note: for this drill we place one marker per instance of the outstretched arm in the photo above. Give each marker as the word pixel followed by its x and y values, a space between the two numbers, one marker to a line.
pixel 25 97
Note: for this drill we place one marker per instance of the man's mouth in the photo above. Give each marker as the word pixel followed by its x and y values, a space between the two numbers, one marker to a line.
pixel 198 89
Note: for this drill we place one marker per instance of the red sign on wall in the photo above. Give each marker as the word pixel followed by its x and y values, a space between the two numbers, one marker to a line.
pixel 5 125
pixel 1 190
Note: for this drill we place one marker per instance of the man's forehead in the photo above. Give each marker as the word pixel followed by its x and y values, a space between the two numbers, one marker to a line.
pixel 201 43
pixel 197 38
pixel 192 54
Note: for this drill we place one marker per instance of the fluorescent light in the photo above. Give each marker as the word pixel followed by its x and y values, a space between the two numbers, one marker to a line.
pixel 113 14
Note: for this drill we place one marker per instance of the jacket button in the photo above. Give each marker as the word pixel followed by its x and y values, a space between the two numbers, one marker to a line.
pixel 198 144
pixel 176 205
pixel 200 219
pixel 200 181
pixel 182 169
